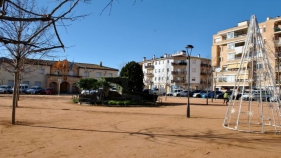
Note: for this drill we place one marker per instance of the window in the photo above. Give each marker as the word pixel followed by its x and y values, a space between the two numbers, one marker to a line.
pixel 11 83
pixel 86 74
pixel 167 69
pixel 231 56
pixel 193 61
pixel 193 78
pixel 155 70
pixel 155 78
pixel 264 29
pixel 230 35
pixel 98 74
pixel 57 72
pixel 25 82
pixel 27 70
pixel 37 83
pixel 230 46
pixel 193 70
pixel 110 75
pixel 167 78
pixel 163 70
pixel 41 71
pixel 158 78
pixel 71 73
pixel 167 61
pixel 158 70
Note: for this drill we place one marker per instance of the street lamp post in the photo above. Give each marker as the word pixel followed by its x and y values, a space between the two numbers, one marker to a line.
pixel 188 84
pixel 59 81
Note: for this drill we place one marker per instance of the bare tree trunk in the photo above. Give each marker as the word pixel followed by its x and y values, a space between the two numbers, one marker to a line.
pixel 14 103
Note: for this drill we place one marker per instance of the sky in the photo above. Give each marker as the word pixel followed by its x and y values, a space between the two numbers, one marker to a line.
pixel 131 31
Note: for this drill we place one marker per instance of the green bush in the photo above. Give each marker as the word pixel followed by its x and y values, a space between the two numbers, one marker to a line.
pixel 75 100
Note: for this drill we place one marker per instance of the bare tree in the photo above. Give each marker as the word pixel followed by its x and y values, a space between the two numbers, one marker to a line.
pixel 30 32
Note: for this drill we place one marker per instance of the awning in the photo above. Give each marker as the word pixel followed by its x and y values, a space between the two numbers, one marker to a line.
pixel 236 66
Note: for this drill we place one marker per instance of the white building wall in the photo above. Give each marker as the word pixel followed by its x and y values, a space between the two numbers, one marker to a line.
pixel 96 74
pixel 32 75
pixel 194 70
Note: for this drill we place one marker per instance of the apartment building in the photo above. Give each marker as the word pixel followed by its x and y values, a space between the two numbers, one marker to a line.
pixel 227 51
pixel 170 71
pixel 47 73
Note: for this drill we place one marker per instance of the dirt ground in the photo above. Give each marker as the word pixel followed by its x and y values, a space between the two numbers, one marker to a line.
pixel 53 126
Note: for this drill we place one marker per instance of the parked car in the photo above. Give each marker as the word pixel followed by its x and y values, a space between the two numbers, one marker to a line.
pixel 159 91
pixel 169 94
pixel 219 96
pixel 34 90
pixel 148 91
pixel 176 92
pixel 194 91
pixel 198 95
pixel 256 94
pixel 184 93
pixel 113 89
pixel 88 91
pixel 22 88
pixel 5 89
pixel 48 91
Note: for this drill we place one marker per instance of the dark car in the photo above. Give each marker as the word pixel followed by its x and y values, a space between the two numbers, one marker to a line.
pixel 34 90
pixel 194 91
pixel 48 91
pixel 220 96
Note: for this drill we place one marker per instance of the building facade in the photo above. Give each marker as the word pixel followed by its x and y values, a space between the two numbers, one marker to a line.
pixel 170 71
pixel 45 73
pixel 228 46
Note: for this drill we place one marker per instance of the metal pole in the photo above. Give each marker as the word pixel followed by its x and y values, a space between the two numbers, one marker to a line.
pixel 59 81
pixel 188 84
pixel 188 103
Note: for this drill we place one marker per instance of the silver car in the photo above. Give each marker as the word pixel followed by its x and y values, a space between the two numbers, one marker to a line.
pixel 5 89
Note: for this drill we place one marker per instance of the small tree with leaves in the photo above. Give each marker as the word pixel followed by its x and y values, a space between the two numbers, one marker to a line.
pixel 87 83
pixel 133 71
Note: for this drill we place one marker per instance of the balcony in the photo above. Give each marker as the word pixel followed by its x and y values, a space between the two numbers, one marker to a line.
pixel 178 81
pixel 149 74
pixel 149 67
pixel 178 72
pixel 231 83
pixel 205 65
pixel 241 37
pixel 277 29
pixel 236 60
pixel 276 69
pixel 179 63
pixel 148 81
pixel 239 50
pixel 277 43
pixel 203 82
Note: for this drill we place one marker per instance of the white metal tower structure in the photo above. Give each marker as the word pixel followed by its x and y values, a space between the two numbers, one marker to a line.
pixel 258 108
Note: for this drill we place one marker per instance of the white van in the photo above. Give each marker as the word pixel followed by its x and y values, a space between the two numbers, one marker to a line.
pixel 23 88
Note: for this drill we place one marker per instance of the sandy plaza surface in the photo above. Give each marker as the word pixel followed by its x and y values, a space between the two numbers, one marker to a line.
pixel 53 126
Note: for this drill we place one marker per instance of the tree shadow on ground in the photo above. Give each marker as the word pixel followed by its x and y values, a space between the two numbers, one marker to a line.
pixel 162 135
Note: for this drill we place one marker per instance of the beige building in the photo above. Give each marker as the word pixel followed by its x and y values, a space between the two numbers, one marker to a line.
pixel 46 73
pixel 227 51
pixel 170 71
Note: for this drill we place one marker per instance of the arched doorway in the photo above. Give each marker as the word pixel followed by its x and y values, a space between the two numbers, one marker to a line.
pixel 64 87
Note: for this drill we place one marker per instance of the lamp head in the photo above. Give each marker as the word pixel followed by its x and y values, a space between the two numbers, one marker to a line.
pixel 189 47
